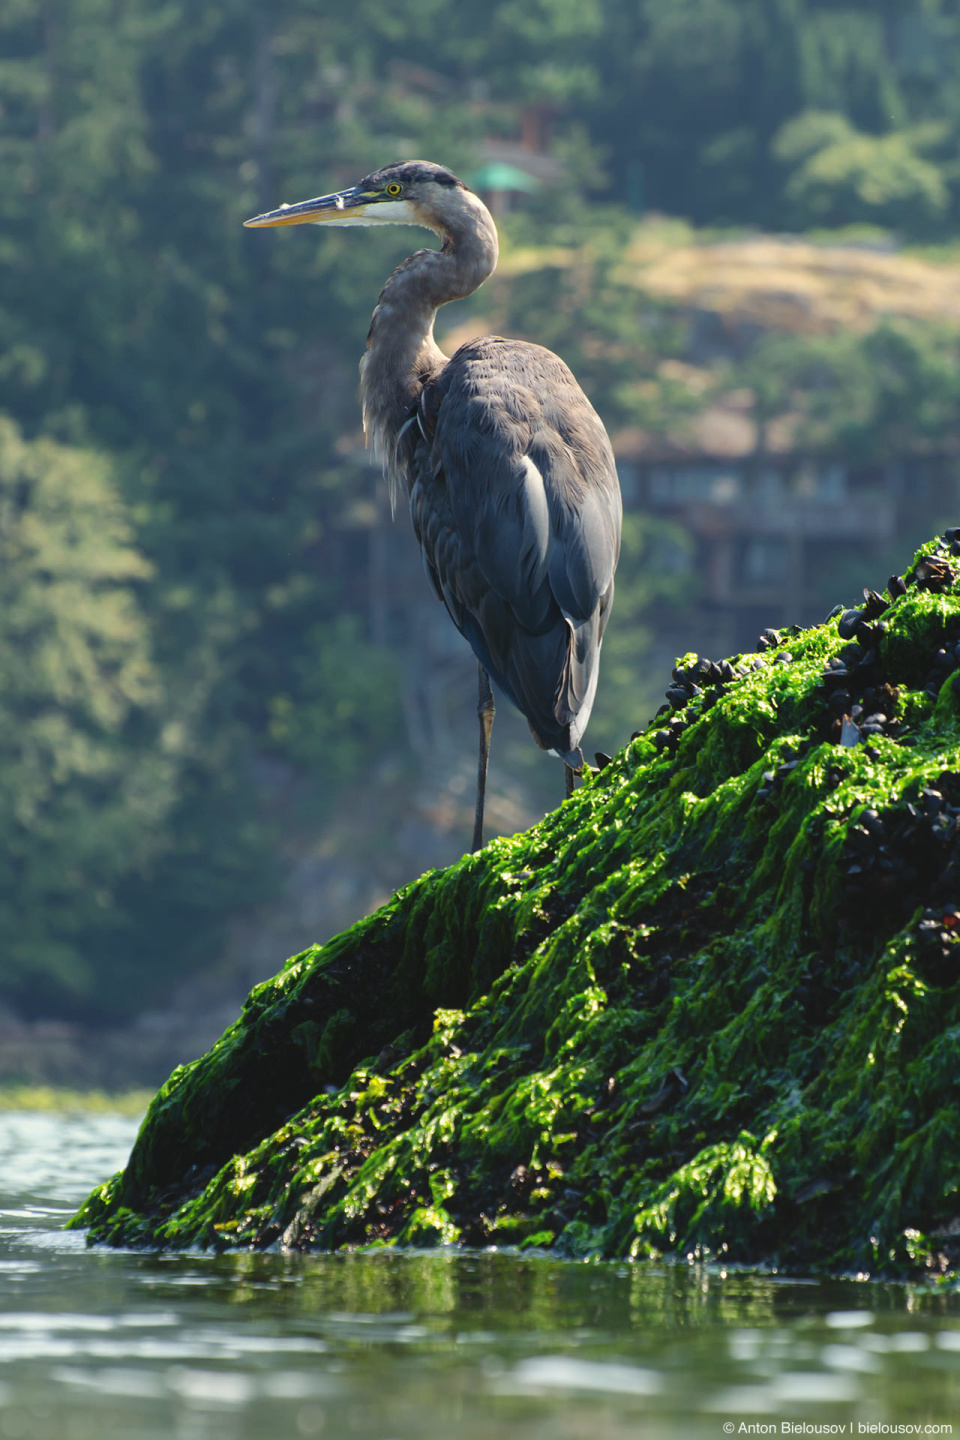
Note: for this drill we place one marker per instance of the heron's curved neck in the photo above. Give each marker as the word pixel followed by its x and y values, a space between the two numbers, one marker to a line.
pixel 402 354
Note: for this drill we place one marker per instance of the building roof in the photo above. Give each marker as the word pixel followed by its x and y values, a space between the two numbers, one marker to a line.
pixel 726 430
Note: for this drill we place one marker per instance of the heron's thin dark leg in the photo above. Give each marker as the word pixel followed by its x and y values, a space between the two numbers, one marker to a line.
pixel 571 773
pixel 485 711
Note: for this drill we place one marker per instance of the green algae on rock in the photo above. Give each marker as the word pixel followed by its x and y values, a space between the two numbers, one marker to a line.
pixel 710 1005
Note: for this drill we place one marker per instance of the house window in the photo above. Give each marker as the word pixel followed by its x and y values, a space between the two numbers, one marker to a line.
pixel 688 484
pixel 765 561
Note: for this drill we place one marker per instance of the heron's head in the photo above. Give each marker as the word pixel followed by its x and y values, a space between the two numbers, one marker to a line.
pixel 412 193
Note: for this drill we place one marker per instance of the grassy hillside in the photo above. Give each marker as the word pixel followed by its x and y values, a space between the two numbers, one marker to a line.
pixel 808 284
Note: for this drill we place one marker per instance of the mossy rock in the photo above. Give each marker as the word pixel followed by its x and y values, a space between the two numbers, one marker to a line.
pixel 710 1005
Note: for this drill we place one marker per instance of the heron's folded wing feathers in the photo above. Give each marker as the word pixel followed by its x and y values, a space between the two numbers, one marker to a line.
pixel 515 503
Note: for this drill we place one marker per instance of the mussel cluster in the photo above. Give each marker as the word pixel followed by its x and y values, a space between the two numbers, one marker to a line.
pixel 773 779
pixel 945 662
pixel 901 857
pixel 704 681
pixel 933 572
pixel 700 685
pixel 859 699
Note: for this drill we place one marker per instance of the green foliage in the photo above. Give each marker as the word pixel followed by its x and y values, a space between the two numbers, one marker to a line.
pixel 345 704
pixel 735 108
pixel 56 1099
pixel 868 396
pixel 82 800
pixel 125 828
pixel 840 176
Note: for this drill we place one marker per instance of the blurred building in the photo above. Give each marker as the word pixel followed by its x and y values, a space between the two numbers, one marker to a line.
pixel 771 528
pixel 780 534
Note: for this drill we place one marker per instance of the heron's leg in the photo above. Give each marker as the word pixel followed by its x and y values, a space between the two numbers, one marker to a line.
pixel 570 775
pixel 485 712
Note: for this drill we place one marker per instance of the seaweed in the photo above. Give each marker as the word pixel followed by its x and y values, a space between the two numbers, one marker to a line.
pixel 710 1006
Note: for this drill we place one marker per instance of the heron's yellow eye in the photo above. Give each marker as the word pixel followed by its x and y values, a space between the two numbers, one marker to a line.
pixel 393 188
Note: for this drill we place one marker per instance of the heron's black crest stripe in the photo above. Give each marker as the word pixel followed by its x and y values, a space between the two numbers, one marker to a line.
pixel 411 172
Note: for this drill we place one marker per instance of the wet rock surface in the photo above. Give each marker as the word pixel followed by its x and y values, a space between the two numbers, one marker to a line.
pixel 711 1005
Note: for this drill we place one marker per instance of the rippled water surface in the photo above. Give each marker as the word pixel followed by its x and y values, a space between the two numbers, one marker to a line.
pixel 421 1346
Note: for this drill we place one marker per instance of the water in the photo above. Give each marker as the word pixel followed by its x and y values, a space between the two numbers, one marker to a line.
pixel 387 1346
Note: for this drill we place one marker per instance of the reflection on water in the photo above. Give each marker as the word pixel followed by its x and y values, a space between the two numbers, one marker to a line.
pixel 386 1346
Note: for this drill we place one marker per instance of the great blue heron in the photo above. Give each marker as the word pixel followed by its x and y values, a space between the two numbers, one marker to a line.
pixel 509 473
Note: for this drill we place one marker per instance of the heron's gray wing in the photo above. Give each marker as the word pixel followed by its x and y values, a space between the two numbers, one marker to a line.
pixel 516 505
pixel 530 472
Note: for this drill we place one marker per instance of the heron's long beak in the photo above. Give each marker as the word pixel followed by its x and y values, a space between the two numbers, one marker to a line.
pixel 344 206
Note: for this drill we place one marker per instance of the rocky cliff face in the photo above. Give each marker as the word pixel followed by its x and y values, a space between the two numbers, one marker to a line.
pixel 712 1004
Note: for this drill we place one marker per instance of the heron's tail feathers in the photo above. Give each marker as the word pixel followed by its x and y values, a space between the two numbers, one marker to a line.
pixel 561 727
pixel 550 676
pixel 578 686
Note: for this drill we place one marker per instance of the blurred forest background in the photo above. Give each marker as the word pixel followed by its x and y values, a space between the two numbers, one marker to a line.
pixel 231 716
